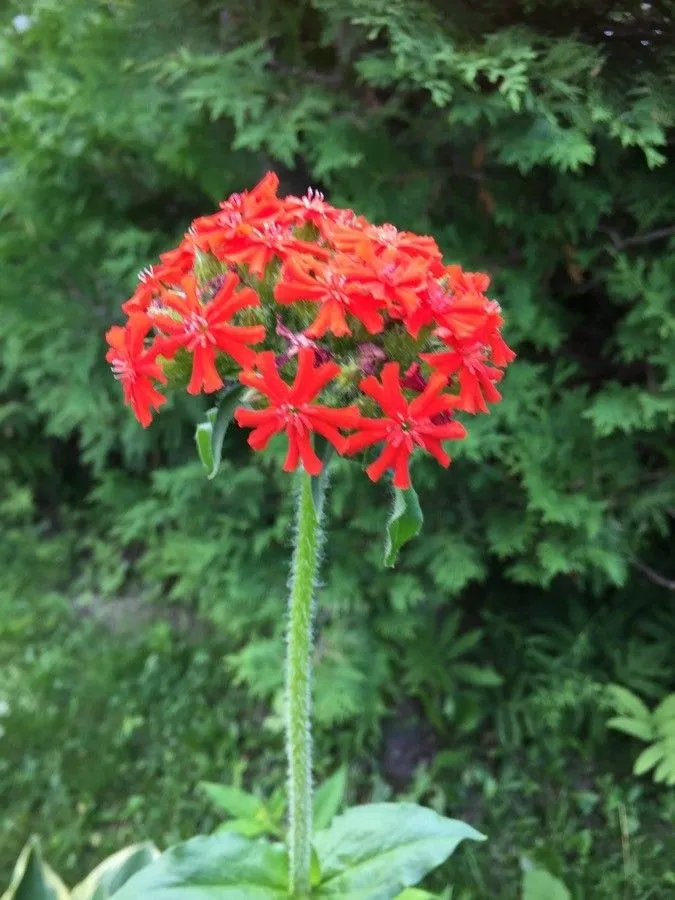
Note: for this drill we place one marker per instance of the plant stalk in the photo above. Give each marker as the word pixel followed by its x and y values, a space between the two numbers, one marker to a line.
pixel 298 680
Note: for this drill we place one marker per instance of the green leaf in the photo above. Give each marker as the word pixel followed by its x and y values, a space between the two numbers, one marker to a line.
pixel 481 676
pixel 405 523
pixel 648 759
pixel 464 643
pixel 220 867
pixel 211 434
pixel 32 878
pixel 249 828
pixel 328 799
pixel 373 852
pixel 635 727
pixel 115 871
pixel 204 441
pixel 626 703
pixel 538 884
pixel 665 711
pixel 665 771
pixel 233 800
pixel 415 894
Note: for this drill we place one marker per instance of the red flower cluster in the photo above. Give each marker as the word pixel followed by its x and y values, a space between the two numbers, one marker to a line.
pixel 314 309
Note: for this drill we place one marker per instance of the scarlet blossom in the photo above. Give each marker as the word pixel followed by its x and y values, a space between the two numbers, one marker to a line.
pixel 382 238
pixel 405 425
pixel 352 302
pixel 461 282
pixel 173 266
pixel 257 246
pixel 253 208
pixel 203 328
pixel 469 361
pixel 135 367
pixel 460 314
pixel 290 409
pixel 311 207
pixel 393 279
pixel 329 284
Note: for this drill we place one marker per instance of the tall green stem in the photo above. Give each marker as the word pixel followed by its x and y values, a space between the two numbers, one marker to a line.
pixel 298 681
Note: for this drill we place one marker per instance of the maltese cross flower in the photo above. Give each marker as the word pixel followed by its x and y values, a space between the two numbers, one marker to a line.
pixel 135 367
pixel 405 425
pixel 290 409
pixel 205 328
pixel 303 278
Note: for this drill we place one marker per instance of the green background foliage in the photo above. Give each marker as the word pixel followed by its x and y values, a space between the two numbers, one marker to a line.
pixel 535 141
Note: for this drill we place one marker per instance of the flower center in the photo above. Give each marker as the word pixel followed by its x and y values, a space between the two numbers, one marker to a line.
pixel 123 370
pixel 271 234
pixel 313 199
pixel 198 328
pixel 335 282
pixel 295 417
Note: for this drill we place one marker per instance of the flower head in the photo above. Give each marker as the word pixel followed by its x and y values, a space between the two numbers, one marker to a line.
pixel 356 332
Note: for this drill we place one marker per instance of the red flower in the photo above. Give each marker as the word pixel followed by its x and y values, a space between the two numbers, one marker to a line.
pixel 257 246
pixel 404 425
pixel 461 314
pixel 173 266
pixel 382 238
pixel 329 284
pixel 391 278
pixel 312 207
pixel 253 208
pixel 291 411
pixel 469 361
pixel 204 328
pixel 135 367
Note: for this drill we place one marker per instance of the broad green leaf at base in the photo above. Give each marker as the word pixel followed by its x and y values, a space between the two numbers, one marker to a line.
pixel 32 878
pixel 538 884
pixel 374 852
pixel 220 867
pixel 114 872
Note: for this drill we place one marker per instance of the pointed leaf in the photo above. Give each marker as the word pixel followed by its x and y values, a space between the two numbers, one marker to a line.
pixel 114 872
pixel 481 676
pixel 211 434
pixel 648 759
pixel 626 703
pixel 221 422
pixel 250 828
pixel 464 643
pixel 233 800
pixel 373 852
pixel 665 771
pixel 665 711
pixel 538 884
pixel 328 799
pixel 405 523
pixel 32 878
pixel 220 867
pixel 203 439
pixel 635 727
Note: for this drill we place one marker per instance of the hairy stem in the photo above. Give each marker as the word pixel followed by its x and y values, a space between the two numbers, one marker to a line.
pixel 298 680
